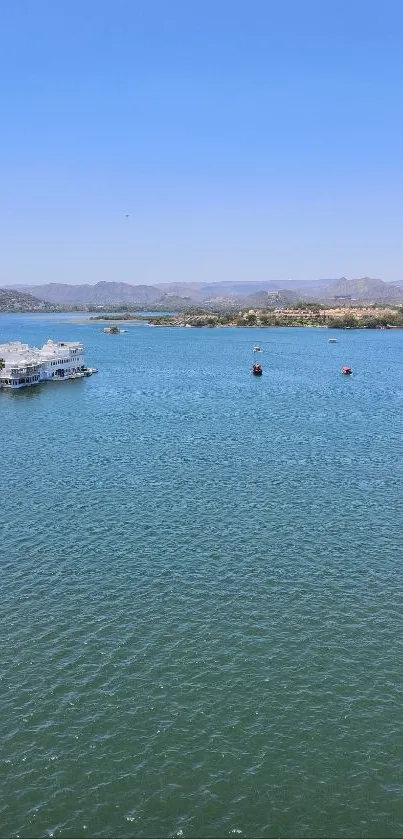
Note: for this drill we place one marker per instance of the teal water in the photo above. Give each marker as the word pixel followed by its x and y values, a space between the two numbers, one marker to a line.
pixel 201 614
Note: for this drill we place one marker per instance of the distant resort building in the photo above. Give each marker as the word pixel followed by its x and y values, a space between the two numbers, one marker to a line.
pixel 21 365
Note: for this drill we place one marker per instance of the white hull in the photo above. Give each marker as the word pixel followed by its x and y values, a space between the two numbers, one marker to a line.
pixel 18 387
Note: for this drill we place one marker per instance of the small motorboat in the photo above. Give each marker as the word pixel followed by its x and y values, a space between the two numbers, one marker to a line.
pixel 347 371
pixel 332 341
pixel 85 371
pixel 257 370
pixel 256 348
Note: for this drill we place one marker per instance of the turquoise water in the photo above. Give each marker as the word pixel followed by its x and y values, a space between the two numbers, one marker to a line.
pixel 201 617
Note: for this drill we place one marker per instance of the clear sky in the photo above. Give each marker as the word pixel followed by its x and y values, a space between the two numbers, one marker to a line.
pixel 246 140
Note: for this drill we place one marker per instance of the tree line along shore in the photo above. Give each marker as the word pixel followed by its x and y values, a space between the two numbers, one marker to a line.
pixel 359 317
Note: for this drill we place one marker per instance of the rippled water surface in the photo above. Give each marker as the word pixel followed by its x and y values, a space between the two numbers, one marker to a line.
pixel 201 613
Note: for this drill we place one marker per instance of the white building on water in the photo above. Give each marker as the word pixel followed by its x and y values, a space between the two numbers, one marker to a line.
pixel 21 365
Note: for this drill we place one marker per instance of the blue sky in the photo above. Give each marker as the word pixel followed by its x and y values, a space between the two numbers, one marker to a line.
pixel 246 140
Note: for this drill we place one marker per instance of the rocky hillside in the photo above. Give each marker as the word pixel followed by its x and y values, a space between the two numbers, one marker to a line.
pixel 270 299
pixel 102 294
pixel 18 301
pixel 366 289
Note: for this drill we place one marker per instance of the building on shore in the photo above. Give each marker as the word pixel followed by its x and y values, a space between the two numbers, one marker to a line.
pixel 21 365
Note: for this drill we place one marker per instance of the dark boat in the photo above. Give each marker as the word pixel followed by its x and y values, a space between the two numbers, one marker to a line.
pixel 257 370
pixel 256 367
pixel 347 371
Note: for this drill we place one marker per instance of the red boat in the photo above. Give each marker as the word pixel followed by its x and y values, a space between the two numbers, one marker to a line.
pixel 347 371
pixel 257 370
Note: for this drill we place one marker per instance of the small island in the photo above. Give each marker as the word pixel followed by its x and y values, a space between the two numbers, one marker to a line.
pixel 113 330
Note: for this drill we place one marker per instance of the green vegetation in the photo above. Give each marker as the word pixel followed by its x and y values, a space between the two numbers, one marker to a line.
pixel 350 321
pixel 299 315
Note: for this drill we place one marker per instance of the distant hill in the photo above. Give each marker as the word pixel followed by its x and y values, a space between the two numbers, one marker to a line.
pixel 218 289
pixel 102 293
pixel 269 299
pixel 362 289
pixel 191 290
pixel 220 294
pixel 366 289
pixel 173 303
pixel 114 293
pixel 19 301
pixel 305 287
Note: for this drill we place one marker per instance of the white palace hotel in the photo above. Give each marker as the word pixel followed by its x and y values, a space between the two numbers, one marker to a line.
pixel 21 365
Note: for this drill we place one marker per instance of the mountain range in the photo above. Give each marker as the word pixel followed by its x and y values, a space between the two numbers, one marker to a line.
pixel 176 295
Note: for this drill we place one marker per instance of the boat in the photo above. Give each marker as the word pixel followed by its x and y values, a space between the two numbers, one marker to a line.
pixel 256 348
pixel 347 371
pixel 332 341
pixel 257 369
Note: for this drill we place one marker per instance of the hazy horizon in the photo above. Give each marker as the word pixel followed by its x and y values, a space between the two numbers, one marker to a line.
pixel 201 143
pixel 207 282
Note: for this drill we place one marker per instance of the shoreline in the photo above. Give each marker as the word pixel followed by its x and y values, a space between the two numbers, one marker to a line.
pixel 333 319
pixel 270 326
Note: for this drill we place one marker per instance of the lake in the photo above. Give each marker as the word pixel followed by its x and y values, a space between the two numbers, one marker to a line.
pixel 201 622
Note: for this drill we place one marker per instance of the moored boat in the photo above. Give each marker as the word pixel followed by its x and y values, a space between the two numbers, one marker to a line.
pixel 347 371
